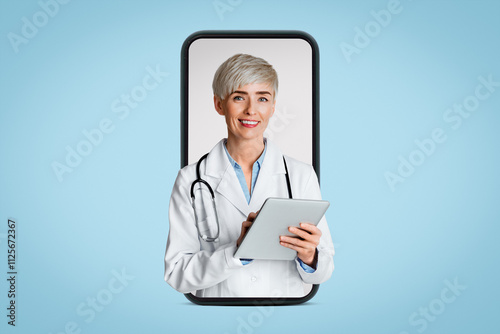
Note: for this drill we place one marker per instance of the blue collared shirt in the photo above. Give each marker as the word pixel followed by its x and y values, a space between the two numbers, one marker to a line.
pixel 248 195
pixel 241 177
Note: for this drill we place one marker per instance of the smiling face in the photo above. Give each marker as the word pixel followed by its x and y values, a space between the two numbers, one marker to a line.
pixel 247 111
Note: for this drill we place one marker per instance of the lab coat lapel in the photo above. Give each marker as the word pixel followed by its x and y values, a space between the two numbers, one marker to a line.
pixel 218 167
pixel 271 170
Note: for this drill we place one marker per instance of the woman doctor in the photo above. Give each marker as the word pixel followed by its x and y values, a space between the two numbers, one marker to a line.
pixel 243 171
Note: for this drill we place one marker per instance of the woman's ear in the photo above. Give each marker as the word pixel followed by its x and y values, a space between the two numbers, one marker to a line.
pixel 218 105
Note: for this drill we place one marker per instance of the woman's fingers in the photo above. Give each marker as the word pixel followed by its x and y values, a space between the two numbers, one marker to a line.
pixel 305 243
pixel 310 228
pixel 305 250
pixel 297 243
pixel 246 223
pixel 289 245
pixel 251 216
pixel 245 226
pixel 312 235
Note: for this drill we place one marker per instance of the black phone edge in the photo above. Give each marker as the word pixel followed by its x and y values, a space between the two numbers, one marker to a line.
pixel 250 34
pixel 250 301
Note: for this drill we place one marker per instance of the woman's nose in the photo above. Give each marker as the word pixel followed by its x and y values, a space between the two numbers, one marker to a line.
pixel 250 110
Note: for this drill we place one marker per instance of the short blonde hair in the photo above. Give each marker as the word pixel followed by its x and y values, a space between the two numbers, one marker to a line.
pixel 240 70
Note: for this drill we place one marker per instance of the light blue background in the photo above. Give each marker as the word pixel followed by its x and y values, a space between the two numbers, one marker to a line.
pixel 394 249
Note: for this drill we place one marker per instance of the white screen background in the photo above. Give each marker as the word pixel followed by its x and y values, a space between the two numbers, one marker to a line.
pixel 291 126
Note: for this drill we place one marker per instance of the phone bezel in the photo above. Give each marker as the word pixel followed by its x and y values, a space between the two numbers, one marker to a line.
pixel 241 34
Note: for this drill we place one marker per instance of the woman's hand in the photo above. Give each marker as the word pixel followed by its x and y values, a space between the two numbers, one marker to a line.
pixel 245 226
pixel 305 243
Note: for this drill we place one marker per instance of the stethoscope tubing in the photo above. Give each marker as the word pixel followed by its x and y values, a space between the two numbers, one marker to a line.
pixel 200 180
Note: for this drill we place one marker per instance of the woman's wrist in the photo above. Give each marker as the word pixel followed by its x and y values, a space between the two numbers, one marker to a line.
pixel 313 261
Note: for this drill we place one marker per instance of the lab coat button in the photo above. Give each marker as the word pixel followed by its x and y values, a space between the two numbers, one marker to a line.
pixel 253 279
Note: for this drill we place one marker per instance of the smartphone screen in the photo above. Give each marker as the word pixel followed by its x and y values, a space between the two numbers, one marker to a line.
pixel 294 126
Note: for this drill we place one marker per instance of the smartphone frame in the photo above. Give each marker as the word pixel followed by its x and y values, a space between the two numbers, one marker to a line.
pixel 253 34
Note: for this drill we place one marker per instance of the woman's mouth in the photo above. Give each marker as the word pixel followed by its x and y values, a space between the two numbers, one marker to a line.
pixel 248 123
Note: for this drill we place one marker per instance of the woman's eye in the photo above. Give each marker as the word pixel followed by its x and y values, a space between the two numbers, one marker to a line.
pixel 238 98
pixel 263 99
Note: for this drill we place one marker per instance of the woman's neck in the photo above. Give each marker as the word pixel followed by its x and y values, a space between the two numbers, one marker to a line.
pixel 245 152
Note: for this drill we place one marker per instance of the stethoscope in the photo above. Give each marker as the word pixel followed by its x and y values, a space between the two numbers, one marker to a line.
pixel 200 180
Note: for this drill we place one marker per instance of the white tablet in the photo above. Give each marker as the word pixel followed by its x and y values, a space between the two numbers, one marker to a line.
pixel 276 215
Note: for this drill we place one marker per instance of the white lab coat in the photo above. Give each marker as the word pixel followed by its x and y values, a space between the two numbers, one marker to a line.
pixel 209 269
